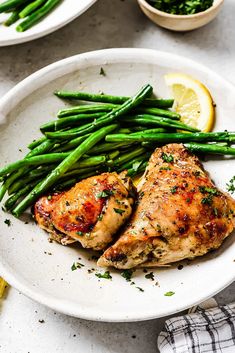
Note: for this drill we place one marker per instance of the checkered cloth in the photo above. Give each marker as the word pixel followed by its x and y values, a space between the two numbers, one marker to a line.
pixel 205 331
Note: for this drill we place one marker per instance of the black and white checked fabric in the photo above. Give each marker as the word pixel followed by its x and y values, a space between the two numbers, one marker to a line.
pixel 205 331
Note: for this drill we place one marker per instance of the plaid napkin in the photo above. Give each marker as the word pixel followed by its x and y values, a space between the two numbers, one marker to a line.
pixel 205 331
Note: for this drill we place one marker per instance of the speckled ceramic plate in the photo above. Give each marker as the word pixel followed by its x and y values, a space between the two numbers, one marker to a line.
pixel 42 270
pixel 64 13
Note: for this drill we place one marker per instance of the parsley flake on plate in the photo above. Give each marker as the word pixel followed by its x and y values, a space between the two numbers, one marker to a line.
pixel 7 222
pixel 105 275
pixel 127 274
pixel 76 265
pixel 150 275
pixel 169 294
pixel 102 72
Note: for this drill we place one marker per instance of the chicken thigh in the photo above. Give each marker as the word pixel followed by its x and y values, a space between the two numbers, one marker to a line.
pixel 179 214
pixel 91 212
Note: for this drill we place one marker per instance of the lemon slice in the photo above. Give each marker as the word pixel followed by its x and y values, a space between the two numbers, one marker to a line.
pixel 193 101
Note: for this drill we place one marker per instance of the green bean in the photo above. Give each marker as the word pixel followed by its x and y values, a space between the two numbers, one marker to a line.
pixel 151 120
pixel 173 137
pixel 35 160
pixel 43 147
pixel 61 169
pixel 104 98
pixel 85 109
pixel 11 201
pixel 69 121
pixel 4 187
pixel 31 8
pixel 111 156
pixel 20 183
pixel 32 19
pixel 149 131
pixel 210 149
pixel 66 184
pixel 10 4
pixel 13 18
pixel 71 144
pixel 108 118
pixel 159 112
pixel 47 159
pixel 128 156
pixel 106 147
pixel 35 143
pixel 76 172
pixel 129 164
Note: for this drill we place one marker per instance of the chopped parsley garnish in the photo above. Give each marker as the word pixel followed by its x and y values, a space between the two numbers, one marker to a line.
pixel 127 274
pixel 102 72
pixel 119 211
pixel 181 7
pixel 49 197
pixel 215 211
pixel 140 289
pixel 105 193
pixel 174 189
pixel 150 276
pixel 80 233
pixel 205 189
pixel 76 265
pixel 207 200
pixel 105 275
pixel 165 168
pixel 167 157
pixel 169 294
pixel 231 185
pixel 8 222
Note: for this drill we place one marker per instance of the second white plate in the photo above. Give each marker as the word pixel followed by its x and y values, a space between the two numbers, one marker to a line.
pixel 64 13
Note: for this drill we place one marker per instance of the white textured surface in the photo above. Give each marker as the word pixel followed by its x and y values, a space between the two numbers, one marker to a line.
pixel 107 24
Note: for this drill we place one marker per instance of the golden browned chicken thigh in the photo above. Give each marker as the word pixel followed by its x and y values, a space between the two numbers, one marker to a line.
pixel 179 214
pixel 91 212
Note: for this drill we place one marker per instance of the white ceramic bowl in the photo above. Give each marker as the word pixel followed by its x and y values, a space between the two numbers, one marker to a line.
pixel 181 23
pixel 24 248
pixel 64 13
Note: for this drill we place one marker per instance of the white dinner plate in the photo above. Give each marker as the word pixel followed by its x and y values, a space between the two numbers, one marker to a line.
pixel 24 249
pixel 64 13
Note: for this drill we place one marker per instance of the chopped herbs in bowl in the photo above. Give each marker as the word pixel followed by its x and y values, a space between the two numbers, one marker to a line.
pixel 181 15
pixel 181 7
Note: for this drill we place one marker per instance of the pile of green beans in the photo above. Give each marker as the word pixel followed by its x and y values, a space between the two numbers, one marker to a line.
pixel 109 133
pixel 31 11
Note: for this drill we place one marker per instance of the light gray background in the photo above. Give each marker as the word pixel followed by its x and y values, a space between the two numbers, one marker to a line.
pixel 109 23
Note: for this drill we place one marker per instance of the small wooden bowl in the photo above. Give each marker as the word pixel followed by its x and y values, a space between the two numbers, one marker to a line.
pixel 180 23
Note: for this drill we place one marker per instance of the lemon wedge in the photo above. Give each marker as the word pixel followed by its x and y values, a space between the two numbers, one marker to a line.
pixel 193 101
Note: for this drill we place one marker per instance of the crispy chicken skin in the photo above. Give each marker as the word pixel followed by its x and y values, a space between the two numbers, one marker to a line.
pixel 91 212
pixel 179 214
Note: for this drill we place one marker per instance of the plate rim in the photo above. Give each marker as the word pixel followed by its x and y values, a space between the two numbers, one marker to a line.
pixel 43 33
pixel 5 105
